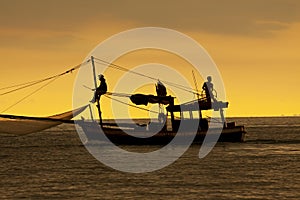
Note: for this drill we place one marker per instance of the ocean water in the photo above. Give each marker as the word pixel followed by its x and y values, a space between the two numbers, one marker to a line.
pixel 53 164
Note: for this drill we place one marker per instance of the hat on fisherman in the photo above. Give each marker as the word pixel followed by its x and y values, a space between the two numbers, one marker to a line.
pixel 100 76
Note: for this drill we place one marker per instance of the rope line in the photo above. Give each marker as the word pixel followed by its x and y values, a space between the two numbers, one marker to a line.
pixel 34 83
pixel 12 86
pixel 145 109
pixel 118 94
pixel 51 79
pixel 30 94
pixel 112 65
pixel 115 66
pixel 31 83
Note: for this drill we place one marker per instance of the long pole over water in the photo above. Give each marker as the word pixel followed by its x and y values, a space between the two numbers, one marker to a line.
pixel 95 83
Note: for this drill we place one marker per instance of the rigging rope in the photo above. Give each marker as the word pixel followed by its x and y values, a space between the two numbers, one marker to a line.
pixel 115 66
pixel 22 99
pixel 98 61
pixel 31 83
pixel 145 109
pixel 118 94
pixel 12 86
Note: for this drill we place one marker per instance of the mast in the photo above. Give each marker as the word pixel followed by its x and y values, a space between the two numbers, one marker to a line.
pixel 95 83
pixel 198 96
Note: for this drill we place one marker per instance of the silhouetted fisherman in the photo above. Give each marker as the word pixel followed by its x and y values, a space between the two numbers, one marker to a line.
pixel 208 88
pixel 161 89
pixel 102 89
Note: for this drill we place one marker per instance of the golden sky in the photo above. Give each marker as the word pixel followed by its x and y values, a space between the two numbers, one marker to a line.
pixel 255 45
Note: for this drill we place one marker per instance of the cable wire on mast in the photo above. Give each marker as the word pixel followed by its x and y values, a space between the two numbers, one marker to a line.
pixel 32 83
pixel 118 67
pixel 35 91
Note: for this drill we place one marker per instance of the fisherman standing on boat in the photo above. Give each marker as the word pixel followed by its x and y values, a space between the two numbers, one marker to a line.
pixel 208 88
pixel 102 89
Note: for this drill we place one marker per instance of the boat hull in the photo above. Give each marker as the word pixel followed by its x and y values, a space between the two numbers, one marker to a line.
pixel 120 137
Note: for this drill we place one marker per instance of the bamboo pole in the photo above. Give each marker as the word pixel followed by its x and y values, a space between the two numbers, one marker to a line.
pixel 95 83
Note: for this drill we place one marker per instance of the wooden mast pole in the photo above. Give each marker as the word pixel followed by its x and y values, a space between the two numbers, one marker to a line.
pixel 198 96
pixel 95 83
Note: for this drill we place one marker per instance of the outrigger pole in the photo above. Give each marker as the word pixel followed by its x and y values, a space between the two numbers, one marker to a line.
pixel 97 100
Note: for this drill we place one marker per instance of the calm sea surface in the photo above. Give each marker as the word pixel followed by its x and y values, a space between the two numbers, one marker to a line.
pixel 54 164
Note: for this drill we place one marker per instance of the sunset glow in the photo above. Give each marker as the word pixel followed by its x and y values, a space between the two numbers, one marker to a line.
pixel 256 48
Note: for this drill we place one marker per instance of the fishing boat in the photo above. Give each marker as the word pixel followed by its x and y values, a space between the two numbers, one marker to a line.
pixel 167 126
pixel 163 131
